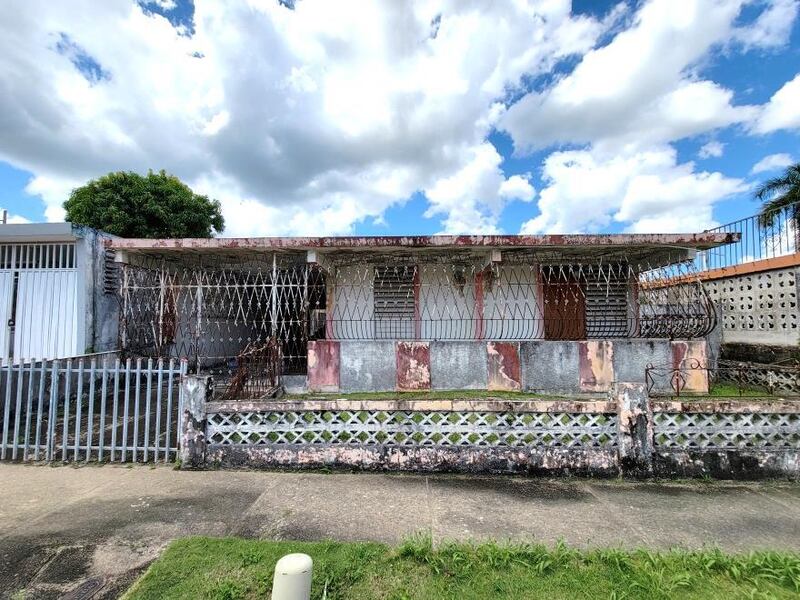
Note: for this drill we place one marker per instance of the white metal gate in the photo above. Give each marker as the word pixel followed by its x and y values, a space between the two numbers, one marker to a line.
pixel 38 301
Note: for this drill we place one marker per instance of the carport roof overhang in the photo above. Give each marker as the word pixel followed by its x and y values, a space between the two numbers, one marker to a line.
pixel 689 241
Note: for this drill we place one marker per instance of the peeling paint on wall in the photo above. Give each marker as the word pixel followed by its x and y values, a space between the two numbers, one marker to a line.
pixel 413 366
pixel 323 366
pixel 691 357
pixel 596 365
pixel 504 366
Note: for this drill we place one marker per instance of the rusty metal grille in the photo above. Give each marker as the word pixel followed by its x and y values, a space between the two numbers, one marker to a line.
pixel 218 314
pixel 212 311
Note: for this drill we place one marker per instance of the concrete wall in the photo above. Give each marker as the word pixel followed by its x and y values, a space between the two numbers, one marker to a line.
pixel 758 308
pixel 513 313
pixel 627 433
pixel 539 366
pixel 352 303
pixel 447 309
pixel 100 324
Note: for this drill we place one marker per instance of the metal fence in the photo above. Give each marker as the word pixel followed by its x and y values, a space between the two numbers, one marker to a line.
pixel 725 378
pixel 85 409
pixel 221 311
pixel 762 237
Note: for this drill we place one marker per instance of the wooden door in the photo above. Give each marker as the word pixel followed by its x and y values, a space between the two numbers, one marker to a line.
pixel 564 308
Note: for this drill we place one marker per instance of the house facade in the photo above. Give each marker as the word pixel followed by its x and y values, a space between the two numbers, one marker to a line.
pixel 550 314
pixel 55 298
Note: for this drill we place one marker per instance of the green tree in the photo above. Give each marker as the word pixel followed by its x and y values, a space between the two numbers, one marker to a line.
pixel 778 193
pixel 156 205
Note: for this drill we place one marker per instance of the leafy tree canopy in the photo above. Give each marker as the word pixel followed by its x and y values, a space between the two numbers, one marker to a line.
pixel 156 205
pixel 778 193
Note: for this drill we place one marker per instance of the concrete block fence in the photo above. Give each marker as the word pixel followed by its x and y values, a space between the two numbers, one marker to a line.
pixel 548 367
pixel 627 433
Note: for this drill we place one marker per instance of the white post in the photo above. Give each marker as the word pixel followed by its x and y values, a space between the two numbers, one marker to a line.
pixel 292 579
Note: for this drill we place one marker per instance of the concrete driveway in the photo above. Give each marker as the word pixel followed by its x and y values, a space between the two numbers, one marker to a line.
pixel 88 532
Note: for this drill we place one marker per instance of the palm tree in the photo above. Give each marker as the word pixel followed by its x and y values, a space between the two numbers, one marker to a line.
pixel 777 194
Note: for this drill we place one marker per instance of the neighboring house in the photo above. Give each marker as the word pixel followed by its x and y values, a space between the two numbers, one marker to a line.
pixel 564 313
pixel 53 300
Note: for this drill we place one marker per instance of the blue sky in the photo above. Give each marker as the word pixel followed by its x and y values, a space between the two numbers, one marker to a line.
pixel 374 118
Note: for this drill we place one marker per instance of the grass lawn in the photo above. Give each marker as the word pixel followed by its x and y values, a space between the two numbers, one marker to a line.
pixel 434 395
pixel 231 569
pixel 732 390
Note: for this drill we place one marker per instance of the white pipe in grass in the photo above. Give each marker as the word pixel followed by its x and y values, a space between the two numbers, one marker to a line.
pixel 292 579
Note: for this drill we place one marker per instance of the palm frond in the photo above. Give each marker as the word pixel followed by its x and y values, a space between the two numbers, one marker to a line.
pixel 778 193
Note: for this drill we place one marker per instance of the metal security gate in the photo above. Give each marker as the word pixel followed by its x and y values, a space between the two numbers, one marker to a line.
pixel 91 409
pixel 38 301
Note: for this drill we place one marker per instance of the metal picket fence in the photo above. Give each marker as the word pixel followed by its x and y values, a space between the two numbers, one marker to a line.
pixel 91 409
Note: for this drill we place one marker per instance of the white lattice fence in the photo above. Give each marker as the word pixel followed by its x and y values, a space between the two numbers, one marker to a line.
pixel 413 428
pixel 727 430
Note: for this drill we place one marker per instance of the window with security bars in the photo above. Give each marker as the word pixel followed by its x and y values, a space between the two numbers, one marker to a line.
pixel 37 256
pixel 393 301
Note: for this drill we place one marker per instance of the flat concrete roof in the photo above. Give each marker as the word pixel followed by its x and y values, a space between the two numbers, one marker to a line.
pixel 13 233
pixel 698 241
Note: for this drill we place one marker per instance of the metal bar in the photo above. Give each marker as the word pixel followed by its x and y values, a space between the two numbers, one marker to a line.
pixel 167 427
pixel 126 406
pixel 53 410
pixel 17 411
pixel 78 408
pixel 67 392
pixel 39 409
pixel 29 411
pixel 6 411
pixel 115 411
pixel 136 407
pixel 90 411
pixel 159 383
pixel 147 407
pixel 101 429
pixel 183 371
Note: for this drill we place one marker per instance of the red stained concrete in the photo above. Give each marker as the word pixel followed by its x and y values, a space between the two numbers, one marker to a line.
pixel 596 365
pixel 504 369
pixel 413 366
pixel 323 366
pixel 685 356
pixel 693 240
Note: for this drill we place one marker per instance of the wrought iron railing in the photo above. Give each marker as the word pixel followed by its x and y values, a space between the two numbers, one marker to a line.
pixel 727 378
pixel 762 237
pixel 211 313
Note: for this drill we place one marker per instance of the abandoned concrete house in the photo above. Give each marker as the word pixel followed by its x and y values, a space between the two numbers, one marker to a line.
pixel 550 313
pixel 533 354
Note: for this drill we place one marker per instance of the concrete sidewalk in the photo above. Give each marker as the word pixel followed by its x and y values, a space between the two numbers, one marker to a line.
pixel 62 527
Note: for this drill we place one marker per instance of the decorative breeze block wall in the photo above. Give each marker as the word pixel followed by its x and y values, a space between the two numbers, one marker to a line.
pixel 759 308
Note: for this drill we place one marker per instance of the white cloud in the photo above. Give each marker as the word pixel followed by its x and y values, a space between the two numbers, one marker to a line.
pixel 772 27
pixel 711 149
pixel 783 109
pixel 323 115
pixel 641 88
pixel 473 197
pixel 308 121
pixel 772 162
pixel 15 219
pixel 518 187
pixel 645 190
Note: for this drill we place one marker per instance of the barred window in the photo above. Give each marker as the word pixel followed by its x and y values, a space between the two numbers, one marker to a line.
pixel 393 297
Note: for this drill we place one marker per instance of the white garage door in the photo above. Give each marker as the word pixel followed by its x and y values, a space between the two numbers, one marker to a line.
pixel 38 288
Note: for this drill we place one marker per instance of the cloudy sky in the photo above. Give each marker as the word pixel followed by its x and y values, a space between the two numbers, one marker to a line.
pixel 316 117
